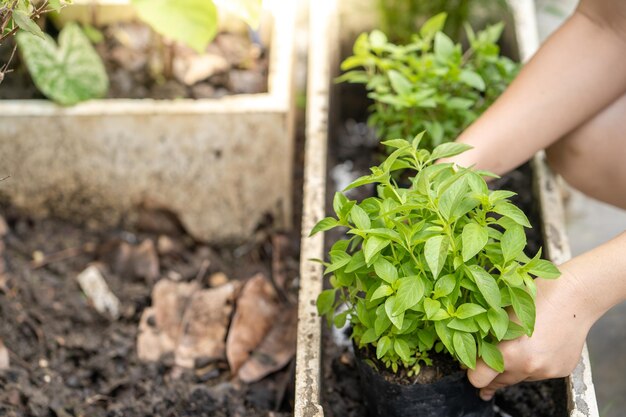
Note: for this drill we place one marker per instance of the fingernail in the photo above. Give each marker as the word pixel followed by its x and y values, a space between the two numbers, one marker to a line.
pixel 485 397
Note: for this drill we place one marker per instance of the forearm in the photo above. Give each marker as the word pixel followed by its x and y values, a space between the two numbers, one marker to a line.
pixel 579 71
pixel 596 280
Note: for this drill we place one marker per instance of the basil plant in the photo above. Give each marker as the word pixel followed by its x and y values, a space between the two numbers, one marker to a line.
pixel 431 83
pixel 435 266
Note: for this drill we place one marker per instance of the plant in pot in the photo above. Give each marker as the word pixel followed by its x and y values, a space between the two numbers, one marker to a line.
pixel 430 83
pixel 431 277
pixel 72 71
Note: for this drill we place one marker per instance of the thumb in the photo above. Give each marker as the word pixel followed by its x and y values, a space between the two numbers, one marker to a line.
pixel 482 375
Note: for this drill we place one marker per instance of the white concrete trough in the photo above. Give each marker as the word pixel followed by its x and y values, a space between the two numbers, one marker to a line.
pixel 323 57
pixel 221 164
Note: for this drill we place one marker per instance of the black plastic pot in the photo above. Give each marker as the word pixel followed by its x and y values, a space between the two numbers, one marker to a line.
pixel 451 396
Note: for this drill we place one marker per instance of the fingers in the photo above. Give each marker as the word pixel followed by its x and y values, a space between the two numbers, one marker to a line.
pixel 482 375
pixel 501 381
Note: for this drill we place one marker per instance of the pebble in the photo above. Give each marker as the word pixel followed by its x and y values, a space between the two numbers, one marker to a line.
pixel 217 279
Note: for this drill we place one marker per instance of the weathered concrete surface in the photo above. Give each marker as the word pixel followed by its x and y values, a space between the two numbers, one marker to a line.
pixel 220 164
pixel 322 63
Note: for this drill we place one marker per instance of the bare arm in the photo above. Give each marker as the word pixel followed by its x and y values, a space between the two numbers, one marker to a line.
pixel 580 70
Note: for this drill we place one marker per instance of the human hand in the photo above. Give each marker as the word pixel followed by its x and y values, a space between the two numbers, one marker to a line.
pixel 562 323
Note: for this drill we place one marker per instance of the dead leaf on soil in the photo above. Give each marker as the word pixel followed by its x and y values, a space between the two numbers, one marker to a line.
pixel 134 261
pixel 4 357
pixel 145 261
pixel 257 308
pixel 97 291
pixel 205 324
pixel 169 301
pixel 186 321
pixel 276 350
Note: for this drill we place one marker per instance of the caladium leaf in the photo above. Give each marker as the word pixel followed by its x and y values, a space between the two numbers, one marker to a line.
pixel 68 73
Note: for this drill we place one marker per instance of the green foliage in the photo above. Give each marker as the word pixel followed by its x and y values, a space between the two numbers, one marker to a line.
pixel 19 14
pixel 431 83
pixel 399 18
pixel 431 266
pixel 68 73
pixel 192 22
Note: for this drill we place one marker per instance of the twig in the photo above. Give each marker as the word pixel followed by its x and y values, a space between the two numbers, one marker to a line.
pixel 62 255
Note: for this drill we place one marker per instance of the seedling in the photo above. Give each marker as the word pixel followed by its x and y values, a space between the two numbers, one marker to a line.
pixel 431 83
pixel 433 266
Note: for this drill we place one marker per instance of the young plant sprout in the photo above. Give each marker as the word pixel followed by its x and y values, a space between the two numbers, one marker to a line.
pixel 431 83
pixel 433 266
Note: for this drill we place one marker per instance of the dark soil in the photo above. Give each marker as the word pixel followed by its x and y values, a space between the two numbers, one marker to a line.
pixel 442 365
pixel 68 360
pixel 353 149
pixel 139 66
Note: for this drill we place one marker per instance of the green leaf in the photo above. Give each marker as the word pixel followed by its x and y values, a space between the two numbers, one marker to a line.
pixel 436 251
pixel 473 238
pixel 382 291
pixel 356 263
pixel 444 47
pixel 444 286
pixel 377 39
pixel 247 10
pixel 465 325
pixel 402 349
pixel 360 218
pixel 69 73
pixel 55 5
pixel 339 201
pixel 431 307
pixel 325 302
pixel 514 213
pixel 339 259
pixel 368 337
pixel 399 82
pixel 544 269
pixel 487 285
pixel 23 20
pixel 433 25
pixel 396 320
pixel 324 225
pixel 524 308
pixel 382 322
pixel 514 331
pixel 472 79
pixel 385 270
pixel 492 356
pixel 383 346
pixel 513 243
pixel 499 321
pixel 372 246
pixel 469 310
pixel 410 292
pixel 192 22
pixel 446 150
pixel 445 335
pixel 465 347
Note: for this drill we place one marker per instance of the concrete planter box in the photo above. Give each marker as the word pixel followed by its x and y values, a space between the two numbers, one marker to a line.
pixel 322 67
pixel 220 164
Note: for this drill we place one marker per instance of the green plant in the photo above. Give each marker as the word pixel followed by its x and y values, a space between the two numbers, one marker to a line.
pixel 399 17
pixel 429 84
pixel 20 14
pixel 432 266
pixel 68 73
pixel 192 22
